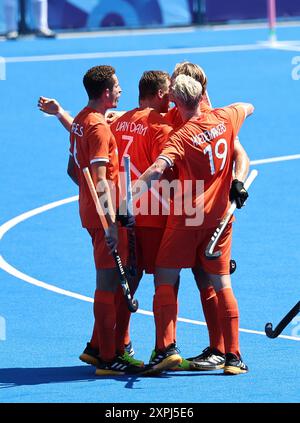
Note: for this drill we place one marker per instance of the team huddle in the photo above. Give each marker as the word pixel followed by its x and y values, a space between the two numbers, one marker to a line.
pixel 187 164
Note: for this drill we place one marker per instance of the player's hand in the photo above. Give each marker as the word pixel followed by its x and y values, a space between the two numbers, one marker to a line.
pixel 110 116
pixel 111 237
pixel 49 105
pixel 238 193
pixel 130 222
pixel 125 219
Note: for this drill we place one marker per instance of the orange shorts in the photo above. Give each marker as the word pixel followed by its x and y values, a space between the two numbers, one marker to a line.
pixel 185 248
pixel 103 259
pixel 148 240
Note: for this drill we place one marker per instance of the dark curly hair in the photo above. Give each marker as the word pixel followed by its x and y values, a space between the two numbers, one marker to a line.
pixel 98 79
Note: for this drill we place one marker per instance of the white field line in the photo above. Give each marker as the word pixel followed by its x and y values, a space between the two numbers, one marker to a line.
pixel 134 53
pixel 20 275
pixel 126 33
pixel 284 45
pixel 24 216
pixel 275 159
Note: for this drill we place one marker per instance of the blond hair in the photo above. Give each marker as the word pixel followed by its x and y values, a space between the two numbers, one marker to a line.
pixel 192 70
pixel 187 91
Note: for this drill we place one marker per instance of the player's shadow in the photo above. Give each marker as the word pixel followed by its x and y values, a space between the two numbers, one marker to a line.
pixel 13 377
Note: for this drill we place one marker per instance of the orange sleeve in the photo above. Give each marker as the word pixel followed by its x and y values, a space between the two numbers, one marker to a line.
pixel 237 115
pixel 98 143
pixel 173 150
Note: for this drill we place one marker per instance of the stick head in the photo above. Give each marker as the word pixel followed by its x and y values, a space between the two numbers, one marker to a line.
pixel 232 264
pixel 133 306
pixel 210 255
pixel 269 330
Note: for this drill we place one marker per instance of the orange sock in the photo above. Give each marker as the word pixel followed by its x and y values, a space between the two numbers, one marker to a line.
pixel 165 315
pixel 94 339
pixel 121 330
pixel 229 320
pixel 123 318
pixel 105 319
pixel 209 302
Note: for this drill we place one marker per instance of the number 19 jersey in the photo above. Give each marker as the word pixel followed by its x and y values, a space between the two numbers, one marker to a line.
pixel 202 149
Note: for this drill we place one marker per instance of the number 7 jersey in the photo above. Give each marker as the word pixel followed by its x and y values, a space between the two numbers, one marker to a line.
pixel 142 133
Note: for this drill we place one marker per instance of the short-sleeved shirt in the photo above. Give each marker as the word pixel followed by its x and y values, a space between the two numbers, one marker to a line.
pixel 91 141
pixel 142 134
pixel 202 149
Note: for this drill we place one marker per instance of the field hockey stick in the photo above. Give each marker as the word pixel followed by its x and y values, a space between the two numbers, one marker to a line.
pixel 131 303
pixel 283 323
pixel 131 231
pixel 209 252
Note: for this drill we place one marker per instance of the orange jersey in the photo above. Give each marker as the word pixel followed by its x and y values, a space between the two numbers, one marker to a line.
pixel 174 119
pixel 142 134
pixel 202 149
pixel 92 141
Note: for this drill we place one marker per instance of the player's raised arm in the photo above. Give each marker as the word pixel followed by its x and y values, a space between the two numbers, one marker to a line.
pixel 52 107
pixel 241 169
pixel 247 107
pixel 153 173
pixel 241 161
pixel 238 112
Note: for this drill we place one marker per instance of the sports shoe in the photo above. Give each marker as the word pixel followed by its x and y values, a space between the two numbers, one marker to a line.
pixel 129 358
pixel 234 365
pixel 45 33
pixel 121 365
pixel 184 365
pixel 12 35
pixel 129 349
pixel 90 355
pixel 163 360
pixel 209 359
